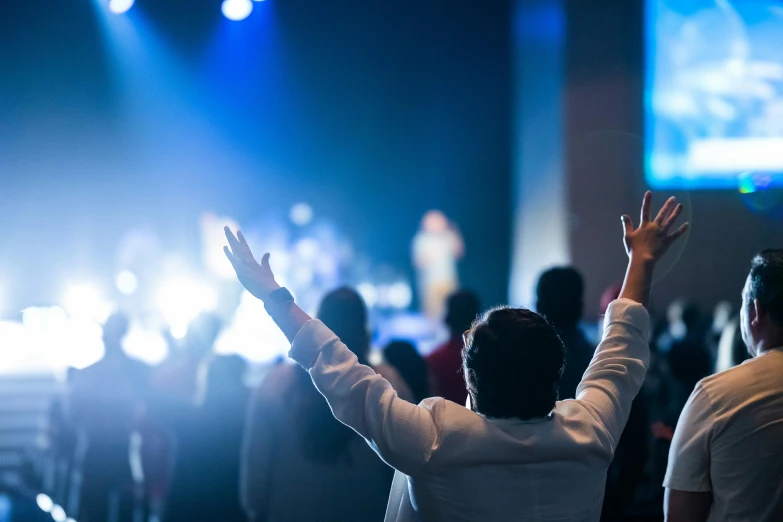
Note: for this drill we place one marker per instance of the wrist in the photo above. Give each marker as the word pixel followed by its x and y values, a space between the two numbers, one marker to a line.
pixel 645 260
pixel 267 291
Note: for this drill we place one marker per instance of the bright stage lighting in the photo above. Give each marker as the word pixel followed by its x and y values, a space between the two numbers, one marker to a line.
pixel 44 502
pixel 84 300
pixel 58 514
pixel 120 6
pixel 126 282
pixel 146 344
pixel 236 10
pixel 181 300
pixel 369 293
pixel 400 295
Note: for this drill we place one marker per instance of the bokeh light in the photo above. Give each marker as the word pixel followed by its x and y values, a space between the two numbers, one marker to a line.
pixel 44 502
pixel 85 300
pixel 301 214
pixel 182 299
pixel 236 10
pixel 127 282
pixel 58 514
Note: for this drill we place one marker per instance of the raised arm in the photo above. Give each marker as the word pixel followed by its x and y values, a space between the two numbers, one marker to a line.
pixel 403 434
pixel 619 365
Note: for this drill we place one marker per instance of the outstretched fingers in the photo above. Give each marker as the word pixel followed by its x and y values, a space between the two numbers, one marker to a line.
pixel 666 210
pixel 233 242
pixel 669 221
pixel 646 202
pixel 627 224
pixel 677 234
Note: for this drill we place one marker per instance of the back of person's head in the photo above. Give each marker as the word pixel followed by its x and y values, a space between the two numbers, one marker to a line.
pixel 765 283
pixel 343 311
pixel 691 316
pixel 324 438
pixel 513 360
pixel 114 330
pixel 411 366
pixel 560 296
pixel 462 307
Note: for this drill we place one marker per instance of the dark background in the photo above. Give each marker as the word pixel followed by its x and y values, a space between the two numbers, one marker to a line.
pixel 371 112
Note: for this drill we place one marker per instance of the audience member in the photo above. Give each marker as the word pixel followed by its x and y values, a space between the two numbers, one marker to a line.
pixel 726 461
pixel 205 484
pixel 299 462
pixel 411 366
pixel 107 400
pixel 689 356
pixel 514 453
pixel 559 298
pixel 445 363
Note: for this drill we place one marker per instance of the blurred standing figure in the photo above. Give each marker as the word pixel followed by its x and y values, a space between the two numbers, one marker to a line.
pixel 175 384
pixel 437 247
pixel 559 298
pixel 411 366
pixel 107 401
pixel 445 363
pixel 205 485
pixel 299 462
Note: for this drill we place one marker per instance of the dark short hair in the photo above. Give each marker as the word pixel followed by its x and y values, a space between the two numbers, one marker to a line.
pixel 766 282
pixel 462 307
pixel 513 359
pixel 560 296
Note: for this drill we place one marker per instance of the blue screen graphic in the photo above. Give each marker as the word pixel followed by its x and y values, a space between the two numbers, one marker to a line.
pixel 714 94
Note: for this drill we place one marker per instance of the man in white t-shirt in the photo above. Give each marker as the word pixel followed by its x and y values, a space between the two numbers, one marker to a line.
pixel 726 459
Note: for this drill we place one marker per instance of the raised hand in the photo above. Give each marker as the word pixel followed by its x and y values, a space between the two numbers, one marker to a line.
pixel 653 238
pixel 257 278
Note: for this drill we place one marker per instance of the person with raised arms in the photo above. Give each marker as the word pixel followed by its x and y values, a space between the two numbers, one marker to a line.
pixel 517 453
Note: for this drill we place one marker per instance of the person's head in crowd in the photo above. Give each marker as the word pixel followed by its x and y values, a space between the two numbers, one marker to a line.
pixel 560 296
pixel 462 307
pixel 114 331
pixel 225 380
pixel 411 366
pixel 343 311
pixel 611 293
pixel 762 303
pixel 513 360
pixel 202 333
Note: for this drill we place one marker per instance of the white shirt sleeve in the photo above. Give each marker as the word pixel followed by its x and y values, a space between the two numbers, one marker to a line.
pixel 689 454
pixel 403 434
pixel 619 365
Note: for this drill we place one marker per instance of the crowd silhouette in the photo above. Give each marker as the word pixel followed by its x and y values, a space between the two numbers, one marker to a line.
pixel 529 404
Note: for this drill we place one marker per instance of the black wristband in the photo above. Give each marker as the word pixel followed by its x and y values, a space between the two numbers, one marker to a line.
pixel 278 300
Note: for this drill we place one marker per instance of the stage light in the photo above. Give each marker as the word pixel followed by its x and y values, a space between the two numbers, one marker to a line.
pixel 236 10
pixel 84 300
pixel 369 293
pixel 146 345
pixel 69 519
pixel 301 214
pixel 44 502
pixel 126 282
pixel 307 248
pixel 58 514
pixel 399 295
pixel 180 300
pixel 120 6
